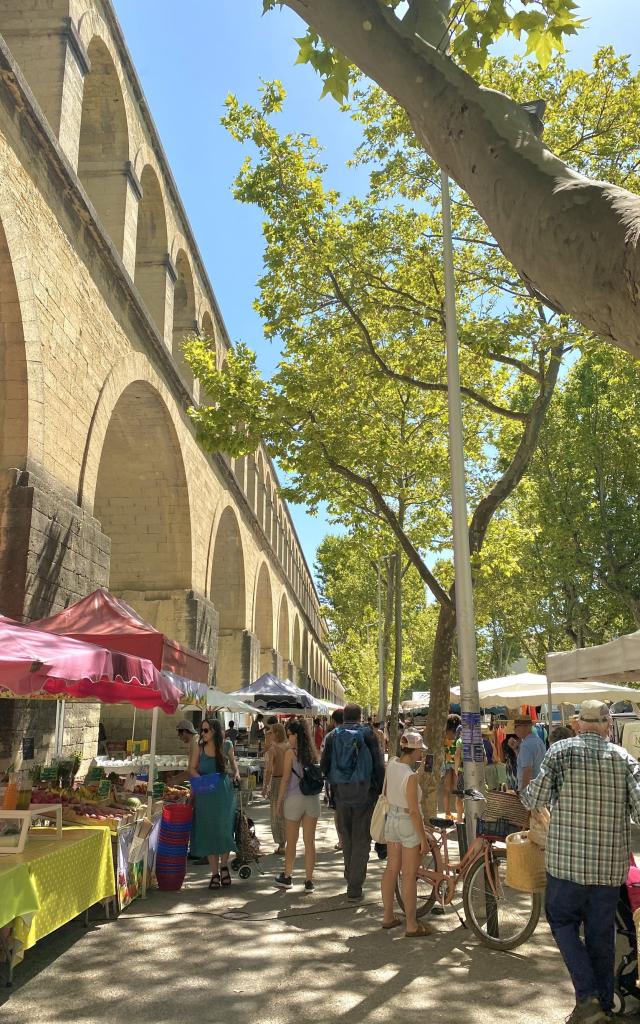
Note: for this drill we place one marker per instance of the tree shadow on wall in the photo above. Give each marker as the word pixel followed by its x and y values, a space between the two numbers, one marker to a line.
pixel 43 596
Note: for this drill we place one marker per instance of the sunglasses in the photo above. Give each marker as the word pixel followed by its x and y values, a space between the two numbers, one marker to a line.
pixel 203 732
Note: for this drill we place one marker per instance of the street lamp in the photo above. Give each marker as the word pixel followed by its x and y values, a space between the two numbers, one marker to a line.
pixel 382 690
pixel 473 759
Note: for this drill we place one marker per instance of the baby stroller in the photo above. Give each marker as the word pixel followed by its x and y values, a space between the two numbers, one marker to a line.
pixel 248 851
pixel 627 970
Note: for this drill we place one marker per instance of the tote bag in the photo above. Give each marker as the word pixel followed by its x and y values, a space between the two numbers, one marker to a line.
pixel 379 816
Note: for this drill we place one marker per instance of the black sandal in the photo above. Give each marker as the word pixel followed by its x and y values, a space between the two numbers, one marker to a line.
pixel 215 881
pixel 225 877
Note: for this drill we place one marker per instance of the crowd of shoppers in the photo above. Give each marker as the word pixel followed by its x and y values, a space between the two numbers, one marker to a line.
pixel 588 788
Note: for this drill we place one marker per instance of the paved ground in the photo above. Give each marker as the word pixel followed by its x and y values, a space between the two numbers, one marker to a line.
pixel 255 955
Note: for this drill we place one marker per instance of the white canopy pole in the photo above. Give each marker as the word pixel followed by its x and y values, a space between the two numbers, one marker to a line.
pixel 59 739
pixel 549 707
pixel 152 772
pixel 152 758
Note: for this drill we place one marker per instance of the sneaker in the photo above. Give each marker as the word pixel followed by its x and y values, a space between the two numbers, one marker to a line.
pixel 354 895
pixel 587 1011
pixel 283 881
pixel 309 886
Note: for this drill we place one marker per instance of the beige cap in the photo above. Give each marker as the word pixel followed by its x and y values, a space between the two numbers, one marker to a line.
pixel 412 740
pixel 593 711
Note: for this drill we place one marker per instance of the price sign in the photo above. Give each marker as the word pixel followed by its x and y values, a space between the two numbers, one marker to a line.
pixel 104 789
pixel 158 790
pixel 49 774
pixel 28 748
pixel 94 774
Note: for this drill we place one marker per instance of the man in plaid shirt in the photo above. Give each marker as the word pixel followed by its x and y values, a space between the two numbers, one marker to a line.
pixel 592 788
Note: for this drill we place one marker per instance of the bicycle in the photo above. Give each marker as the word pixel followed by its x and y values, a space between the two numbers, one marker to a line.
pixel 500 916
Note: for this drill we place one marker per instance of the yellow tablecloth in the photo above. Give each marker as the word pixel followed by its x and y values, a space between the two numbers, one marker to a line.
pixel 66 876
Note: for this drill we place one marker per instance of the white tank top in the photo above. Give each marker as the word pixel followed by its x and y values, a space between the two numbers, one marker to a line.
pixel 398 774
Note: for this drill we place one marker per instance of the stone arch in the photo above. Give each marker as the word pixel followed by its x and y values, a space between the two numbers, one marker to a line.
pixel 305 654
pixel 20 374
pixel 184 314
pixel 268 499
pixel 284 637
pixel 227 589
pixel 296 650
pixel 263 618
pixel 133 368
pixel 103 152
pixel 151 248
pixel 141 495
pixel 260 490
pixel 207 330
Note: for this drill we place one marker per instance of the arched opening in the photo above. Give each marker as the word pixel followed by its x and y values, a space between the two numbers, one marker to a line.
pixel 267 508
pixel 296 653
pixel 263 619
pixel 260 491
pixel 228 596
pixel 151 248
pixel 228 593
pixel 208 331
pixel 141 496
pixel 104 143
pixel 184 315
pixel 304 661
pixel 14 396
pixel 283 630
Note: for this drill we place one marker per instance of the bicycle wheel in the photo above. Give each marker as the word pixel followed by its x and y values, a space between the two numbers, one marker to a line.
pixel 501 917
pixel 426 890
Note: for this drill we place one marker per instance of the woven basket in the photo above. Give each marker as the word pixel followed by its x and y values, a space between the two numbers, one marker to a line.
pixel 506 805
pixel 525 864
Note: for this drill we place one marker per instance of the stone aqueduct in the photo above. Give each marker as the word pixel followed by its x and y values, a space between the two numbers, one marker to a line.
pixel 102 481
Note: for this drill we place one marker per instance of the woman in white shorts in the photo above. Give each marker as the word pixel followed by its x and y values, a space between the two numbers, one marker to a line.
pixel 297 808
pixel 404 835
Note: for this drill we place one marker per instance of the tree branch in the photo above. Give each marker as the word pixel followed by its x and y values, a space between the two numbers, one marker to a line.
pixel 575 241
pixel 392 520
pixel 405 378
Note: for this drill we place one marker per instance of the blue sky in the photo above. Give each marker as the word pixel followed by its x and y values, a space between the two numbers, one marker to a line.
pixel 189 57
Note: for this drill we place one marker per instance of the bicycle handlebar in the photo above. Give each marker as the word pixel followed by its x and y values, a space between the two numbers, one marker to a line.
pixel 473 794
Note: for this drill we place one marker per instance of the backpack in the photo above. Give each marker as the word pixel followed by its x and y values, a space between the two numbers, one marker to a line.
pixel 311 780
pixel 351 759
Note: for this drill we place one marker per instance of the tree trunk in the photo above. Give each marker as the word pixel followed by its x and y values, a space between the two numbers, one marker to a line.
pixel 438 706
pixel 397 661
pixel 572 239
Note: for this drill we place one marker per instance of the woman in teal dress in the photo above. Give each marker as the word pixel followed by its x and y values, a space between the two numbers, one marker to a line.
pixel 215 810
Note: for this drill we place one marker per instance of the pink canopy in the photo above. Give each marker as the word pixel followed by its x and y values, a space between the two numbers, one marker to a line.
pixel 34 663
pixel 106 620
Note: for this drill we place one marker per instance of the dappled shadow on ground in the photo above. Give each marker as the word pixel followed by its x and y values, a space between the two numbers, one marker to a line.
pixel 256 953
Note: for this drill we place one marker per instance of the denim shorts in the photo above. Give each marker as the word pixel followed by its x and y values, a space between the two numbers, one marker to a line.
pixel 297 805
pixel 399 828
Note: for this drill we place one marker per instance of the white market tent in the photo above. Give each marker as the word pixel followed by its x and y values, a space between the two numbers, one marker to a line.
pixel 616 661
pixel 531 688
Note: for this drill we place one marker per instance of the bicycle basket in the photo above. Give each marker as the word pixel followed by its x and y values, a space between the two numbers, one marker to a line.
pixel 508 806
pixel 499 829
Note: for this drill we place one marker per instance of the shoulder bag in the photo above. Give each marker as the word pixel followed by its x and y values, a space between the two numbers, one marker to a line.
pixel 379 816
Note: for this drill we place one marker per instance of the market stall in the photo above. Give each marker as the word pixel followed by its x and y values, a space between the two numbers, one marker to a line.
pixel 52 881
pixel 41 666
pixel 535 689
pixel 102 618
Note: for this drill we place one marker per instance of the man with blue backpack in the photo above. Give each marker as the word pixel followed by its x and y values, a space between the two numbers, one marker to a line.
pixel 353 762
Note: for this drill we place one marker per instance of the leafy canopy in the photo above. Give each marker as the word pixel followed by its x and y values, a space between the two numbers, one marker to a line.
pixel 468 29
